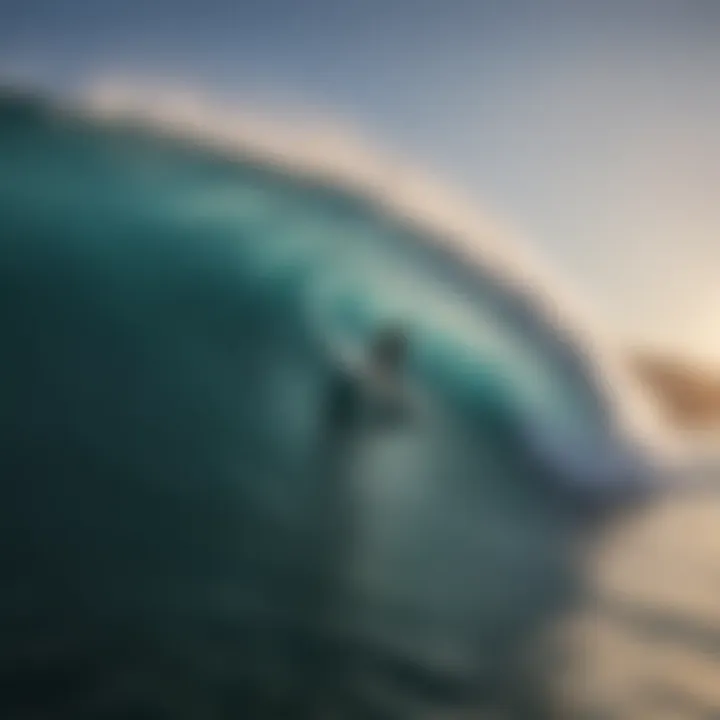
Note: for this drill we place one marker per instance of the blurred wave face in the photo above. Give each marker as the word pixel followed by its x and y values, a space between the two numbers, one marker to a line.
pixel 169 315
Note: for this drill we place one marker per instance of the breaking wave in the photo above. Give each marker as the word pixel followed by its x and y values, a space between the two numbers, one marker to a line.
pixel 174 284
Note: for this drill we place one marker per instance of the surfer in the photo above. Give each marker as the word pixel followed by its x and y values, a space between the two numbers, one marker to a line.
pixel 371 394
pixel 366 397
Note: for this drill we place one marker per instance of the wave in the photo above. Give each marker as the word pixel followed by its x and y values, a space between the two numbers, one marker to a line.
pixel 469 242
pixel 170 293
pixel 500 306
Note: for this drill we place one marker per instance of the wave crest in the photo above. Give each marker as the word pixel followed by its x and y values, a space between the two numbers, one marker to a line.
pixel 325 153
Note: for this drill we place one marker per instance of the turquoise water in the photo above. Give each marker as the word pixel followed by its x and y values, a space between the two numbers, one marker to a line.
pixel 169 318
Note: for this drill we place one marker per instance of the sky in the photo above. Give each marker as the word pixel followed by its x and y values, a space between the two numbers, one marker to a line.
pixel 592 126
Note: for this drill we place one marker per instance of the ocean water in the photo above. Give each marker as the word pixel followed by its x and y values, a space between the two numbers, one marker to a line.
pixel 170 316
